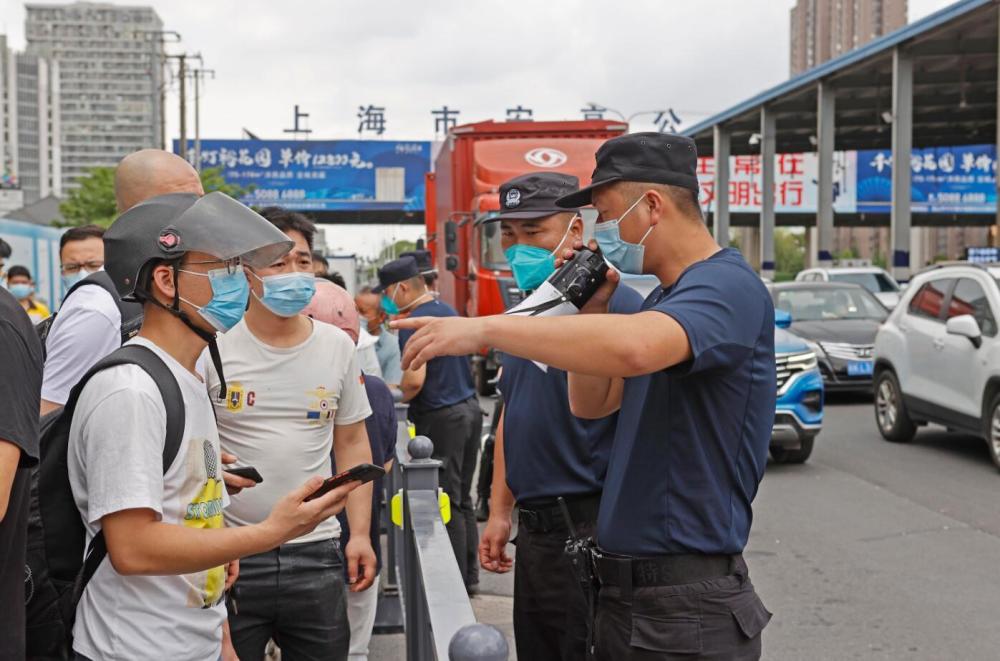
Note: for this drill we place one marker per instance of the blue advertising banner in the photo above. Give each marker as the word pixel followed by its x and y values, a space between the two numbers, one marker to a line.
pixel 957 180
pixel 322 175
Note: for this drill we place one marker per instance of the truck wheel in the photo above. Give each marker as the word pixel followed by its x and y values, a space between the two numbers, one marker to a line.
pixel 786 456
pixel 993 430
pixel 893 421
pixel 482 378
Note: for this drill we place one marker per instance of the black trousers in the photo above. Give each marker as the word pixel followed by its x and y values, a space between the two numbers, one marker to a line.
pixel 551 610
pixel 715 620
pixel 455 431
pixel 296 595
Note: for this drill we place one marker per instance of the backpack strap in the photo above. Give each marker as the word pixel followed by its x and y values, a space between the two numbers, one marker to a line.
pixel 173 402
pixel 131 313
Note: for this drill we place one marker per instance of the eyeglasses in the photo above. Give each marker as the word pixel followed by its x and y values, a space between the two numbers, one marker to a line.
pixel 230 265
pixel 72 268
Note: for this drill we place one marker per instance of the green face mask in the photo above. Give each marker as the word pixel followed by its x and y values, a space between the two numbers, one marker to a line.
pixel 389 306
pixel 533 265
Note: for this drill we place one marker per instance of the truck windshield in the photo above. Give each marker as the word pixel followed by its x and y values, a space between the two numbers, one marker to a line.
pixel 491 252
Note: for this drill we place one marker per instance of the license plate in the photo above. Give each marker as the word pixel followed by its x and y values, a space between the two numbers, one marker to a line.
pixel 860 368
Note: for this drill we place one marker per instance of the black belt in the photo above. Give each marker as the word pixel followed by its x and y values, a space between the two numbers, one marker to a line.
pixel 628 572
pixel 545 515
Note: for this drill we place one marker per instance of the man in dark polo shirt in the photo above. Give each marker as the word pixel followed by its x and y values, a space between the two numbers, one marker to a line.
pixel 443 407
pixel 693 380
pixel 543 452
pixel 20 392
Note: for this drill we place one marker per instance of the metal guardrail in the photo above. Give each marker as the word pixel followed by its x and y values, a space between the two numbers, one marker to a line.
pixel 438 619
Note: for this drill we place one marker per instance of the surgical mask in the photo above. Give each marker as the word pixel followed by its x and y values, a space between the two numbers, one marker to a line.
pixel 21 291
pixel 230 293
pixel 286 294
pixel 533 265
pixel 389 304
pixel 69 280
pixel 624 256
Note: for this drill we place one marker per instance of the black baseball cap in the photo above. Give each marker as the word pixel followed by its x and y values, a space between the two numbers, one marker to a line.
pixel 533 196
pixel 423 258
pixel 395 271
pixel 655 158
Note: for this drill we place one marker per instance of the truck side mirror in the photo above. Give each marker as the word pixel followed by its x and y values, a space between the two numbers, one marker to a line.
pixel 451 263
pixel 451 240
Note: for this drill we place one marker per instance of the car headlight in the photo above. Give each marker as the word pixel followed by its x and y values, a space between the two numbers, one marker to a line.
pixel 815 348
pixel 802 361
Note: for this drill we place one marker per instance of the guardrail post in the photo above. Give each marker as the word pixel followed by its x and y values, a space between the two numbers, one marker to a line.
pixel 478 642
pixel 419 474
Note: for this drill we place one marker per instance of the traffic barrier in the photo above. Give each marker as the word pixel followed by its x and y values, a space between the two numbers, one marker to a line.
pixel 422 572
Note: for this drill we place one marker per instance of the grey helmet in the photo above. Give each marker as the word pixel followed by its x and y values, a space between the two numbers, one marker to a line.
pixel 167 226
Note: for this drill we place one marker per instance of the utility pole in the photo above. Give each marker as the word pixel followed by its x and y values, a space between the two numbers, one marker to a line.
pixel 198 75
pixel 182 74
pixel 159 38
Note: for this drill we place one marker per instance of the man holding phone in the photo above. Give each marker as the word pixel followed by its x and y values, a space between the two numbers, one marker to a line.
pixel 295 397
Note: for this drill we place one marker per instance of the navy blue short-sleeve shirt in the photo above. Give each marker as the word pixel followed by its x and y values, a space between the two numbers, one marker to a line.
pixel 548 451
pixel 449 378
pixel 691 443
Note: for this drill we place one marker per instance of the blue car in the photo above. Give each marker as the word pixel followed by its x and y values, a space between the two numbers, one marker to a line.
pixel 798 415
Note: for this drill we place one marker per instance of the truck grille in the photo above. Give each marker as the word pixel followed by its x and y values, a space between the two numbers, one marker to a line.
pixel 789 364
pixel 847 351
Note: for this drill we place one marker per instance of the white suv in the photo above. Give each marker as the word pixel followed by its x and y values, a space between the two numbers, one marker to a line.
pixel 872 278
pixel 937 356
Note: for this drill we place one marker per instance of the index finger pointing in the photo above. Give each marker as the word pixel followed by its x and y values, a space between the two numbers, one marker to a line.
pixel 411 323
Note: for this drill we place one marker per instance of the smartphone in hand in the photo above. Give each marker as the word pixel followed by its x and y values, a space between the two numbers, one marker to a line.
pixel 248 472
pixel 360 473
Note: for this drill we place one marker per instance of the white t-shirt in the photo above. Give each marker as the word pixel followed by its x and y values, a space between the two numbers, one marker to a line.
pixel 367 357
pixel 116 463
pixel 279 415
pixel 87 328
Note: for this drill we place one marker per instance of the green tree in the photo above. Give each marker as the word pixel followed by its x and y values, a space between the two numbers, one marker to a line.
pixel 789 254
pixel 392 250
pixel 93 201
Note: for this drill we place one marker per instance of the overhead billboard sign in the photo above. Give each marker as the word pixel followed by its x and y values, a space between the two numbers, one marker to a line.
pixel 323 175
pixel 945 180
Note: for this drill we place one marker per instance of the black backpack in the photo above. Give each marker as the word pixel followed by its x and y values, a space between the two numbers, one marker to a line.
pixel 131 312
pixel 56 572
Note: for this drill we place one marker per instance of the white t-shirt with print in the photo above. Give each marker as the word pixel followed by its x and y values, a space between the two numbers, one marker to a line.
pixel 116 463
pixel 280 413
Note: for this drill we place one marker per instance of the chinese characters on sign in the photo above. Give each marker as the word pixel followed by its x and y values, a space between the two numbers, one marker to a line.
pixel 444 119
pixel 794 183
pixel 943 180
pixel 519 113
pixel 372 119
pixel 323 175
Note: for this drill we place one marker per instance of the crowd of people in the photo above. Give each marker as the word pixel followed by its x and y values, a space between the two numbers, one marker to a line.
pixel 637 430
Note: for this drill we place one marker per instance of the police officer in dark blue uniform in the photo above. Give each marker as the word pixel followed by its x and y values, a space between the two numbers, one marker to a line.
pixel 542 451
pixel 443 407
pixel 692 377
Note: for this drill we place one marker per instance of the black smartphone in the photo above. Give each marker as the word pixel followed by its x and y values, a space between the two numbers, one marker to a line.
pixel 360 473
pixel 248 472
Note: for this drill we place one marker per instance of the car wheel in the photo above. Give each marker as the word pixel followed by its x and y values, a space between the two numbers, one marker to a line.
pixel 890 412
pixel 993 430
pixel 786 456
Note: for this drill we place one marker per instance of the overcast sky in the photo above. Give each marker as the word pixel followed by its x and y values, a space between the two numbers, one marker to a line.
pixel 332 56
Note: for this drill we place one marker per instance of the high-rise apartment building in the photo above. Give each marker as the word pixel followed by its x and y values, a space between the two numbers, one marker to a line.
pixel 823 29
pixel 105 63
pixel 29 151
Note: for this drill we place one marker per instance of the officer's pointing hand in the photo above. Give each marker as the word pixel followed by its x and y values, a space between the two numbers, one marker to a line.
pixel 598 304
pixel 440 336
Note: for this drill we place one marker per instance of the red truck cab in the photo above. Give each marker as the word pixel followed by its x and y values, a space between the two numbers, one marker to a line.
pixel 463 187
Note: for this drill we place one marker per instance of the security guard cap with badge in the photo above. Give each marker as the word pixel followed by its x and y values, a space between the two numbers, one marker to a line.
pixel 533 196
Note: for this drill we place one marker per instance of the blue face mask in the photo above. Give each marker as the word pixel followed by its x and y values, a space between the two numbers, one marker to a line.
pixel 230 293
pixel 533 265
pixel 389 304
pixel 69 280
pixel 286 294
pixel 624 256
pixel 21 291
